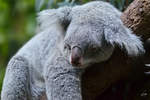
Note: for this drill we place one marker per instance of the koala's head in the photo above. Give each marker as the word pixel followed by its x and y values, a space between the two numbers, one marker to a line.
pixel 94 30
pixel 84 44
pixel 91 32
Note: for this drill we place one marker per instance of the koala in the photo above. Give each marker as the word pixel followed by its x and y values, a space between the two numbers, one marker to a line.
pixel 69 39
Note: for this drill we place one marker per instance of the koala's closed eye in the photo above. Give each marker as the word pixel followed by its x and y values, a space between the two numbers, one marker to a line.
pixel 67 46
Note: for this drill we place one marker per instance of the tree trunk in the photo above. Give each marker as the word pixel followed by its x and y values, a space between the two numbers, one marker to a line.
pixel 137 17
pixel 99 77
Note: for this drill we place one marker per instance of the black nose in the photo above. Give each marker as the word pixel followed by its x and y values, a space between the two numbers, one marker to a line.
pixel 75 61
pixel 76 56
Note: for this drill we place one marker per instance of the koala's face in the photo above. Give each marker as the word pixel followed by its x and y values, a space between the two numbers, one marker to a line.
pixel 85 45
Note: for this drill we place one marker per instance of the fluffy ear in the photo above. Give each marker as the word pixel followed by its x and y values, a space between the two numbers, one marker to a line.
pixel 50 17
pixel 123 37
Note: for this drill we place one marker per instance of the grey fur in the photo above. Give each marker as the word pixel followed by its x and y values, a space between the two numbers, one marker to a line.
pixel 42 65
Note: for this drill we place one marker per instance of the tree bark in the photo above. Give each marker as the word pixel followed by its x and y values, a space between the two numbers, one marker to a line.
pixel 101 76
pixel 137 17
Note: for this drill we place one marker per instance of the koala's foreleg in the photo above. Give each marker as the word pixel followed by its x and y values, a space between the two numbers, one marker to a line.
pixel 63 81
pixel 16 82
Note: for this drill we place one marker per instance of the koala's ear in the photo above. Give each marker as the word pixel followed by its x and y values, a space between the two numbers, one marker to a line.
pixel 125 39
pixel 50 17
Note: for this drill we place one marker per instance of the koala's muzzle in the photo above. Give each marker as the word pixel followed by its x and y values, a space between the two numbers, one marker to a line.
pixel 76 54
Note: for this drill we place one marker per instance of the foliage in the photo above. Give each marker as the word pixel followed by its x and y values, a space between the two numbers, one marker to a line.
pixel 2 71
pixel 18 23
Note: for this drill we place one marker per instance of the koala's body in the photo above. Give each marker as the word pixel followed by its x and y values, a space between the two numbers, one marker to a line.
pixel 69 39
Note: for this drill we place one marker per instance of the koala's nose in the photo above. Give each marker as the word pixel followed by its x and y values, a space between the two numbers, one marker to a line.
pixel 76 54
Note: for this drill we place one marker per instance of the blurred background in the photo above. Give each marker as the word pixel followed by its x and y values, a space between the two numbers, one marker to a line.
pixel 18 23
